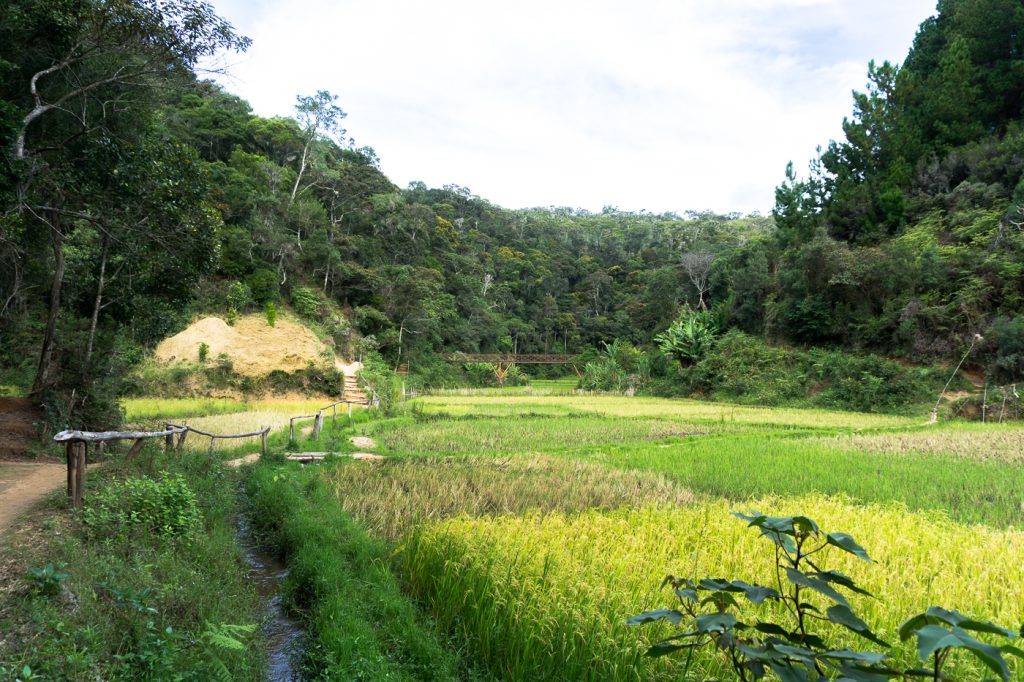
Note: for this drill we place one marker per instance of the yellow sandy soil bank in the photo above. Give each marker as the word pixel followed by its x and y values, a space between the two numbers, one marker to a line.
pixel 255 348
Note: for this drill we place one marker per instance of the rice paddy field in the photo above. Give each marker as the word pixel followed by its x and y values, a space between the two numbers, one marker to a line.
pixel 527 526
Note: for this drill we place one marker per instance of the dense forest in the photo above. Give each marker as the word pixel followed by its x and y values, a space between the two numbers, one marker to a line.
pixel 136 194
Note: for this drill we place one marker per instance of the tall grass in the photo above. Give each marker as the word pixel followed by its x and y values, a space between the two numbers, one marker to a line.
pixel 361 625
pixel 145 409
pixel 973 441
pixel 544 597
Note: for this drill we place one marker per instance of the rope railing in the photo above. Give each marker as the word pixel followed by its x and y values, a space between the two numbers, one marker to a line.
pixel 76 447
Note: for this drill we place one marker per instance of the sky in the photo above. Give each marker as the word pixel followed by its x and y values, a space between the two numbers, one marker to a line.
pixel 655 105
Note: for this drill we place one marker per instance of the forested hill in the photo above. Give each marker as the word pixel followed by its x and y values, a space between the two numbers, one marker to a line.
pixel 136 195
pixel 440 268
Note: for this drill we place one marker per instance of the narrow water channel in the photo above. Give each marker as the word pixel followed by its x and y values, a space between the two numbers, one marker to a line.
pixel 281 633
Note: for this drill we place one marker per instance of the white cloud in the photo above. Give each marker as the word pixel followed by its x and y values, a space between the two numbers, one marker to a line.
pixel 662 105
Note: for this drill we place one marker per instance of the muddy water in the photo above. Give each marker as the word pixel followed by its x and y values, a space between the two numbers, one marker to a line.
pixel 281 633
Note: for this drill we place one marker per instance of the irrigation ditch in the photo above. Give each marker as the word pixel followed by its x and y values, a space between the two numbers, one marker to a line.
pixel 282 634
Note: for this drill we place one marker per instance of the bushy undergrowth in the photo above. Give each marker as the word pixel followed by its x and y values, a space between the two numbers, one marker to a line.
pixel 360 624
pixel 137 605
pixel 745 369
pixel 152 379
pixel 144 506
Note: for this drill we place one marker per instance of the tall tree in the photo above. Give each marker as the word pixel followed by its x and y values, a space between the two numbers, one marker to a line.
pixel 88 72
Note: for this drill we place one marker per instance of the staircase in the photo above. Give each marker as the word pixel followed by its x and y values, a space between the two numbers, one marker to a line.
pixel 19 420
pixel 353 391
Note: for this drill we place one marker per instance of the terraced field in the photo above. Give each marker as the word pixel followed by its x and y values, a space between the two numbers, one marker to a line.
pixel 529 526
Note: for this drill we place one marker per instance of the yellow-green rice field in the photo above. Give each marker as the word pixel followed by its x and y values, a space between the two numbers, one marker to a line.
pixel 528 526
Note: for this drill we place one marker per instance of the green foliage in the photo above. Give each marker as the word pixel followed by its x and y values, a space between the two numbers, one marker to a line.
pixel 131 609
pixel 361 625
pixel 622 367
pixel 690 337
pixel 204 351
pixel 305 302
pixel 270 310
pixel 143 507
pixel 239 297
pixel 1008 364
pixel 221 641
pixel 47 580
pixel 481 374
pixel 745 369
pixel 797 648
pixel 263 285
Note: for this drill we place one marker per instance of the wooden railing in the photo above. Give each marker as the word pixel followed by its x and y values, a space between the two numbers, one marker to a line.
pixel 318 417
pixel 170 445
pixel 76 447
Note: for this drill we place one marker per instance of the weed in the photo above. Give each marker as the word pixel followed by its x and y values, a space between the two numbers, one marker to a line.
pixel 46 581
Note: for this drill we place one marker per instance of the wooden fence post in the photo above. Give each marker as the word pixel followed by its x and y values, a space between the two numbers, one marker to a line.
pixel 168 439
pixel 134 449
pixel 291 430
pixel 263 441
pixel 334 417
pixel 181 439
pixel 81 448
pixel 72 458
pixel 318 422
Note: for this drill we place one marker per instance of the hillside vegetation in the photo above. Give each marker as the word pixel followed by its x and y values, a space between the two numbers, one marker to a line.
pixel 905 239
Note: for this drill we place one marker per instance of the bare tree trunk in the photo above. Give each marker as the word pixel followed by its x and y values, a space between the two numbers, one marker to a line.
pixel 302 169
pixel 97 305
pixel 45 371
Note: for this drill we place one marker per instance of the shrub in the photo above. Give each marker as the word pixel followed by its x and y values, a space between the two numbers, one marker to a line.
pixel 239 296
pixel 204 351
pixel 305 302
pixel 1008 333
pixel 46 581
pixel 263 285
pixel 271 312
pixel 746 369
pixel 144 506
pixel 689 338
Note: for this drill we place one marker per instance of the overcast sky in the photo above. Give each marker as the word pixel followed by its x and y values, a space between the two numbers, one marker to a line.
pixel 654 105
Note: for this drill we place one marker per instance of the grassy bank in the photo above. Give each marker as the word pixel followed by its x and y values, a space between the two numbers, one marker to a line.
pixel 361 625
pixel 126 598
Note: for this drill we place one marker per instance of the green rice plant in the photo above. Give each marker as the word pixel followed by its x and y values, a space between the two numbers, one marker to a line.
pixel 737 466
pixel 139 410
pixel 543 596
pixel 678 409
pixel 791 648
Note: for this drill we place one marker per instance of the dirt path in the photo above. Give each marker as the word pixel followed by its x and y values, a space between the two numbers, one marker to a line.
pixel 23 485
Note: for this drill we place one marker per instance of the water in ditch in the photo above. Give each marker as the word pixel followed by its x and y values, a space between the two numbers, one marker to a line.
pixel 281 633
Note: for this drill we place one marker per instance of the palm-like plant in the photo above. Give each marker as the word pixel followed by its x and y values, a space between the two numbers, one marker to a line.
pixel 689 338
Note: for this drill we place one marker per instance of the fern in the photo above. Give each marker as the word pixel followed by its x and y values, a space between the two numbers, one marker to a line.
pixel 220 639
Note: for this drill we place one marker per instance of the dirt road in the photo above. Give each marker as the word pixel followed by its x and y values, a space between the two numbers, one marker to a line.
pixel 23 485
